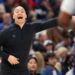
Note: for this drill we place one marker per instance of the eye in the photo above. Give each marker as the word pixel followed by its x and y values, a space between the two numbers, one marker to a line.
pixel 17 11
pixel 22 11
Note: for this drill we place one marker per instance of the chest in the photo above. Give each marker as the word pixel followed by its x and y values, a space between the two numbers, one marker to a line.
pixel 20 37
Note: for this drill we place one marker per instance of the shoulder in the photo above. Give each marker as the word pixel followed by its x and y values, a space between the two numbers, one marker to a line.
pixel 46 71
pixel 47 68
pixel 28 25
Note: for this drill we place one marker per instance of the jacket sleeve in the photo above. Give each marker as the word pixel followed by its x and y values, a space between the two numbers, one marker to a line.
pixel 3 54
pixel 42 25
pixel 45 72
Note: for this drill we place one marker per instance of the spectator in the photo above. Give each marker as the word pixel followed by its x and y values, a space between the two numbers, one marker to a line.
pixel 40 59
pixel 40 9
pixel 49 46
pixel 7 21
pixel 32 65
pixel 66 42
pixel 46 6
pixel 2 11
pixel 50 69
pixel 62 54
pixel 9 5
pixel 71 63
pixel 32 4
pixel 55 4
pixel 38 45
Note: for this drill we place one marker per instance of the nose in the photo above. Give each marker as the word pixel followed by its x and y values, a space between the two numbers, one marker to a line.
pixel 19 14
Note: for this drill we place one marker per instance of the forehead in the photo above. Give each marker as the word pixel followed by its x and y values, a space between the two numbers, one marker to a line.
pixel 52 57
pixel 19 8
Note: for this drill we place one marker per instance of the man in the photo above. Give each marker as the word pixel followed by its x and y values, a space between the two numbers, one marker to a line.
pixel 16 42
pixel 49 45
pixel 50 69
pixel 2 11
pixel 67 10
pixel 7 21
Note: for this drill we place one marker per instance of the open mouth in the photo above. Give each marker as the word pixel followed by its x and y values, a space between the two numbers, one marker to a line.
pixel 20 17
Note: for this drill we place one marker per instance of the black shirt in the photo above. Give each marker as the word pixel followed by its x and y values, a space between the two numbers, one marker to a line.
pixel 17 41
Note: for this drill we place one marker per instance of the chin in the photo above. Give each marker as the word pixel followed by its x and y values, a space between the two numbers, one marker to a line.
pixel 21 20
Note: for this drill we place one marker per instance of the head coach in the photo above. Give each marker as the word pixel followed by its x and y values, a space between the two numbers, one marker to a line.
pixel 16 42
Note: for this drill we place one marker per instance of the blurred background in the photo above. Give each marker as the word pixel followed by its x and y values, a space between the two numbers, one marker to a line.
pixel 58 42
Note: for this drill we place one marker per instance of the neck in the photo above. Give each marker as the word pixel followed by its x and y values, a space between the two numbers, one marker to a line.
pixel 20 24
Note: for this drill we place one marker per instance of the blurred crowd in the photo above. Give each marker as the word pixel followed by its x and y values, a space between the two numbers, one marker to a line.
pixel 51 52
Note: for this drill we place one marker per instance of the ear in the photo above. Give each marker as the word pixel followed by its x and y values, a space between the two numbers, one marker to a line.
pixel 26 15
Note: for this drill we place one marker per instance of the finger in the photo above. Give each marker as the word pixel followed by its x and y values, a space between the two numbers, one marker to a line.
pixel 16 62
pixel 12 63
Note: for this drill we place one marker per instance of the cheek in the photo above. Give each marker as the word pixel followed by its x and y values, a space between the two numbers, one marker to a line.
pixel 25 16
pixel 35 66
pixel 54 61
pixel 29 66
pixel 14 16
pixel 32 67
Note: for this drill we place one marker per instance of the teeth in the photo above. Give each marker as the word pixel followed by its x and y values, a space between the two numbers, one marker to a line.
pixel 20 17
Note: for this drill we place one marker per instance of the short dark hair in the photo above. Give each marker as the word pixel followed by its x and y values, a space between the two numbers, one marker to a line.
pixel 50 55
pixel 22 7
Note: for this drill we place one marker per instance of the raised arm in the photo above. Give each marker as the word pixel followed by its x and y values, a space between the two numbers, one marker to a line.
pixel 42 25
